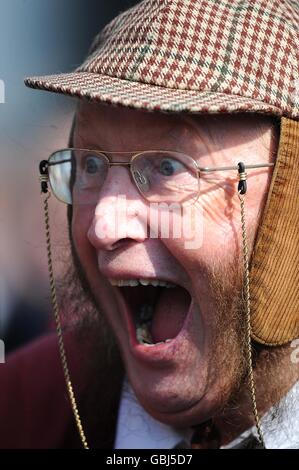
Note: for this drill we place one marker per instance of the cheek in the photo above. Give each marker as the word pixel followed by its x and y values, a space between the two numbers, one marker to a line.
pixel 221 223
pixel 209 226
pixel 214 223
pixel 222 228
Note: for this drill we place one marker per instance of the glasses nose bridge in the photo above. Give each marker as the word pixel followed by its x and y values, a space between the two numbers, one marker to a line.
pixel 119 164
pixel 137 178
pixel 129 164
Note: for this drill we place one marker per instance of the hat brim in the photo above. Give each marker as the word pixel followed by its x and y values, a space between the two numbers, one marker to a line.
pixel 111 90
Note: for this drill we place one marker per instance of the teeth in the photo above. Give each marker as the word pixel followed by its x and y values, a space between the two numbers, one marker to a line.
pixel 142 282
pixel 157 344
pixel 143 334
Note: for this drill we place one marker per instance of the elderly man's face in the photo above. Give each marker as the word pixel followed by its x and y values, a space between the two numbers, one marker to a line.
pixel 186 379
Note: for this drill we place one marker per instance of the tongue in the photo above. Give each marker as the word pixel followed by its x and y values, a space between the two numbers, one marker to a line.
pixel 170 312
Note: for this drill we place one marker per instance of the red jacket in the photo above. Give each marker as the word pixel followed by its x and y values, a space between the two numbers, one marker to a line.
pixel 35 411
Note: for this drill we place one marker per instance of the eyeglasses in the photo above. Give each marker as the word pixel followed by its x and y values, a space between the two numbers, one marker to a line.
pixel 77 176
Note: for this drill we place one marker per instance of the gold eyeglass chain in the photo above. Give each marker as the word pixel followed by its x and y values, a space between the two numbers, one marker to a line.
pixel 242 189
pixel 61 345
pixel 44 190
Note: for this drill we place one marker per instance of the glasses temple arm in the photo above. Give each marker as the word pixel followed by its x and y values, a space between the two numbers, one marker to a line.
pixel 225 168
pixel 58 163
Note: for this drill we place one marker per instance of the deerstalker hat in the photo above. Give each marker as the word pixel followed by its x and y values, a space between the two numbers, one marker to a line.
pixel 206 56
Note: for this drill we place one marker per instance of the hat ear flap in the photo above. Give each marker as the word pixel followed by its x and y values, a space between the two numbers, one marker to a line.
pixel 275 261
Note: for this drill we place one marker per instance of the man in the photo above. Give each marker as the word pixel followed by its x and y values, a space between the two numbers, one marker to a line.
pixel 204 136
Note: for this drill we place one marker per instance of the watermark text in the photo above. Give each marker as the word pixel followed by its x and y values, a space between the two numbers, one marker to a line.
pixel 158 220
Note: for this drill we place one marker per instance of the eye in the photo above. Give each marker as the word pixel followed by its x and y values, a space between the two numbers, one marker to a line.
pixel 92 165
pixel 169 167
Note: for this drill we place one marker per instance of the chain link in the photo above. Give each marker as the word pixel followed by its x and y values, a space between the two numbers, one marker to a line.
pixel 59 328
pixel 248 323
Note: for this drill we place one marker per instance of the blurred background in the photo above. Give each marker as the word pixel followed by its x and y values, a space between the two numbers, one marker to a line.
pixel 36 37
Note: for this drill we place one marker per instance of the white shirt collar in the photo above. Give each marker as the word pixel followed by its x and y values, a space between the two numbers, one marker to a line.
pixel 136 429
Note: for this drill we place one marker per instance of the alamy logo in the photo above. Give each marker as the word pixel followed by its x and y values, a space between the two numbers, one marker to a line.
pixel 2 352
pixel 173 221
pixel 2 92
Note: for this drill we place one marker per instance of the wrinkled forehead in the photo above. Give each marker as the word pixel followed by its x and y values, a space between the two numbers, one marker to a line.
pixel 121 128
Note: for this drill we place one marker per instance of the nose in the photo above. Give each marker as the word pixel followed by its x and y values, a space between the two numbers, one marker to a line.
pixel 120 213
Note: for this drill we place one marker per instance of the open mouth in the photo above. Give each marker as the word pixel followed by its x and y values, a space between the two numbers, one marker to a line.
pixel 157 308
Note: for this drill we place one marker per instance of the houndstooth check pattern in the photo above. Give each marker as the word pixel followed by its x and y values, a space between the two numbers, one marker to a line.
pixel 193 55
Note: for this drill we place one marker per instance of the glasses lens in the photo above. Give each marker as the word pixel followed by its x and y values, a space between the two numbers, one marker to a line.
pixel 90 171
pixel 77 176
pixel 60 169
pixel 166 176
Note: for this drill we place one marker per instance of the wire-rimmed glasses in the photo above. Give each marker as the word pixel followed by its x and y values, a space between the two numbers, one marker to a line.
pixel 77 175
